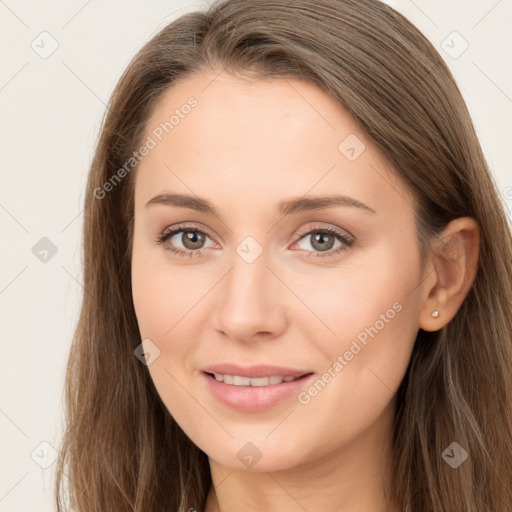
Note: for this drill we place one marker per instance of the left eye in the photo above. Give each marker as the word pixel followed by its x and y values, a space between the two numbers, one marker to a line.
pixel 193 239
pixel 323 240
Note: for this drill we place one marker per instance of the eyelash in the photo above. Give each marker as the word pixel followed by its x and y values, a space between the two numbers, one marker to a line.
pixel 163 237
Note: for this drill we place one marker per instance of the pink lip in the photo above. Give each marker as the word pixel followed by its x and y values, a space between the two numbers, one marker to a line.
pixel 254 398
pixel 261 370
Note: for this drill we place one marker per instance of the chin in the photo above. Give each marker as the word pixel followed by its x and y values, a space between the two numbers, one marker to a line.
pixel 258 455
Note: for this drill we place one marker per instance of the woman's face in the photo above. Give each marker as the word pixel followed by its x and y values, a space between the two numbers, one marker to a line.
pixel 258 288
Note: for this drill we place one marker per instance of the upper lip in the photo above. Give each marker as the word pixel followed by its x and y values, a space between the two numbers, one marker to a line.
pixel 261 370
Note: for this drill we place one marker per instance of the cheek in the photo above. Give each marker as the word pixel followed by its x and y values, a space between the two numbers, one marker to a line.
pixel 366 290
pixel 366 364
pixel 161 294
pixel 161 302
pixel 370 313
pixel 147 298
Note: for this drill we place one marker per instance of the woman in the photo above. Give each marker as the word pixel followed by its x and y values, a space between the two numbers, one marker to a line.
pixel 298 276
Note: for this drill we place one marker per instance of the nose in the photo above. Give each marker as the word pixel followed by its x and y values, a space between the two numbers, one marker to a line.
pixel 251 301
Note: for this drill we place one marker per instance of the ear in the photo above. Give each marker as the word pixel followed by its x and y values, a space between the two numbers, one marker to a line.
pixel 451 272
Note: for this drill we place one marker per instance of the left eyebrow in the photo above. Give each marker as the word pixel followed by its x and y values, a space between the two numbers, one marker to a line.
pixel 288 207
pixel 304 204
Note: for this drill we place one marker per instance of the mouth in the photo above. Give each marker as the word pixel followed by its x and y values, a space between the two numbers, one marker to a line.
pixel 240 380
pixel 256 393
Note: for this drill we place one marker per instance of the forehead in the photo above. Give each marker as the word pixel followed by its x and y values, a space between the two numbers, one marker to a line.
pixel 255 142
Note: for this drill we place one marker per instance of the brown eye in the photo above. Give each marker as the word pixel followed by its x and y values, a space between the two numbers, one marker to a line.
pixel 183 241
pixel 323 240
pixel 193 240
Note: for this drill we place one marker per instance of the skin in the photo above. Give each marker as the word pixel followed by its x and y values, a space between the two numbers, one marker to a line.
pixel 246 146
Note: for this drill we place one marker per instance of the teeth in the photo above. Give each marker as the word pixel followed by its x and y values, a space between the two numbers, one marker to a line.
pixel 237 380
pixel 228 379
pixel 241 381
pixel 264 381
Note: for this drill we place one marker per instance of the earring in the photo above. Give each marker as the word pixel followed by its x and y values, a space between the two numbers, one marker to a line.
pixel 435 313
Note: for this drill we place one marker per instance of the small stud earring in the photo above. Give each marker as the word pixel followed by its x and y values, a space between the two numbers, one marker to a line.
pixel 435 313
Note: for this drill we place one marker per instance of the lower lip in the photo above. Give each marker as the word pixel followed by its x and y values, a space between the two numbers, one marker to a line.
pixel 254 398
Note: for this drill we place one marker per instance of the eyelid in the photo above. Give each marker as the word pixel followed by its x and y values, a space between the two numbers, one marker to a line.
pixel 347 239
pixel 185 226
pixel 319 227
pixel 299 233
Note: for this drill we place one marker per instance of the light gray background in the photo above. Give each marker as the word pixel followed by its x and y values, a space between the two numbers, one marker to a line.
pixel 50 111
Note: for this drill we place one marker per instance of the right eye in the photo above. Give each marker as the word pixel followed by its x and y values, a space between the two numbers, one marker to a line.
pixel 191 238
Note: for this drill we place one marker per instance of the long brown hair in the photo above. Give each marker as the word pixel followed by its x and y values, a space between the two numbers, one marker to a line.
pixel 122 450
